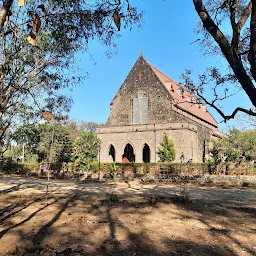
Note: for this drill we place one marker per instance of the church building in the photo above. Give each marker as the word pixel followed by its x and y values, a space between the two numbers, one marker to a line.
pixel 148 104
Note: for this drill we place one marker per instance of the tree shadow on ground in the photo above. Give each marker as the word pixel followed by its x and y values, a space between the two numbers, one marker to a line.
pixel 46 229
pixel 3 232
pixel 224 215
pixel 136 243
pixel 14 209
pixel 12 189
pixel 104 207
pixel 140 244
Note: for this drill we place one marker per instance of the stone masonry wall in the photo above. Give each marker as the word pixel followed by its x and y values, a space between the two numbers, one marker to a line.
pixel 159 99
pixel 184 136
pixel 160 111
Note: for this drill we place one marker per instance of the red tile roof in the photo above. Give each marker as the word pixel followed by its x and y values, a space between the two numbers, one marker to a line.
pixel 182 99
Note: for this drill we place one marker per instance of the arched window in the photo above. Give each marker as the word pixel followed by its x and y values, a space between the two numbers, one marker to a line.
pixel 146 154
pixel 112 152
pixel 128 155
pixel 140 108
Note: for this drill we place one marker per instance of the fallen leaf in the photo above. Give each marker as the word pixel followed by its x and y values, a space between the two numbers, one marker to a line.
pixel 21 2
pixel 32 40
pixel 47 115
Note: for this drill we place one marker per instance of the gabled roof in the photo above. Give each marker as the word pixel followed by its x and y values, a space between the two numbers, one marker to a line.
pixel 183 99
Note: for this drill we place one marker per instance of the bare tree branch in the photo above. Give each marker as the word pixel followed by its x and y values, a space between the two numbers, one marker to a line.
pixel 243 53
pixel 227 117
pixel 232 56
pixel 235 38
pixel 245 17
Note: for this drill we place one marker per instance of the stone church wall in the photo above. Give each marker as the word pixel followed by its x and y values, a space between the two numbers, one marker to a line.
pixel 184 136
pixel 120 128
pixel 159 99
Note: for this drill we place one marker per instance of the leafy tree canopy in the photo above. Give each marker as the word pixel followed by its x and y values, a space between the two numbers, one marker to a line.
pixel 237 146
pixel 57 143
pixel 48 142
pixel 39 40
pixel 85 150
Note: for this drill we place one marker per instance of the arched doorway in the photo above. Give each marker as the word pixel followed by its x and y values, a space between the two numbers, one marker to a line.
pixel 112 152
pixel 129 153
pixel 146 154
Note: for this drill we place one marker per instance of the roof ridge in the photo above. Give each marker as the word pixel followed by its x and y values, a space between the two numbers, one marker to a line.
pixel 152 66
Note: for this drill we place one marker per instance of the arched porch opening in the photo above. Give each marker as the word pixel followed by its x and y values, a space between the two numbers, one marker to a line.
pixel 128 155
pixel 146 154
pixel 112 152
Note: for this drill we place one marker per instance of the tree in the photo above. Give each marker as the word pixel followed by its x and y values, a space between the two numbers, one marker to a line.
pixel 89 126
pixel 235 147
pixel 85 150
pixel 166 152
pixel 76 126
pixel 49 142
pixel 55 144
pixel 38 45
pixel 29 135
pixel 229 31
pixel 58 143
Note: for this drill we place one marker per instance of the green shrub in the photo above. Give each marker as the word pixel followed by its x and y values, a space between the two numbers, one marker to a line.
pixel 166 152
pixel 32 166
pixel 209 180
pixel 212 166
pixel 183 198
pixel 245 184
pixel 146 168
pixel 8 166
pixel 114 170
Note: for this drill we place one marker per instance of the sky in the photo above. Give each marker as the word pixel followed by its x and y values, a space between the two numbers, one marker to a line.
pixel 165 37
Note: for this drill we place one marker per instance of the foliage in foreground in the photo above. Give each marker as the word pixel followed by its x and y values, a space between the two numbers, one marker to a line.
pixel 39 42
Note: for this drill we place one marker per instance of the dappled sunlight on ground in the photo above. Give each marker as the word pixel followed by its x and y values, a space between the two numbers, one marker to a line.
pixel 116 218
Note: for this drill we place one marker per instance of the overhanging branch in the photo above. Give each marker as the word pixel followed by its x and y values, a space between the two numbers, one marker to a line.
pixel 227 117
pixel 232 57
pixel 245 17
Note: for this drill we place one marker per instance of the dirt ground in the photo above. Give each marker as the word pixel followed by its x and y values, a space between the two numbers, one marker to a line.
pixel 104 218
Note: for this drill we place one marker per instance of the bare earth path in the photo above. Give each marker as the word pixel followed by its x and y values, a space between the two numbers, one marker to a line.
pixel 84 219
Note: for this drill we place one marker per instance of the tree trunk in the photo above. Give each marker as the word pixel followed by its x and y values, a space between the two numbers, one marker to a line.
pixel 1 143
pixel 233 59
pixel 252 53
pixel 4 12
